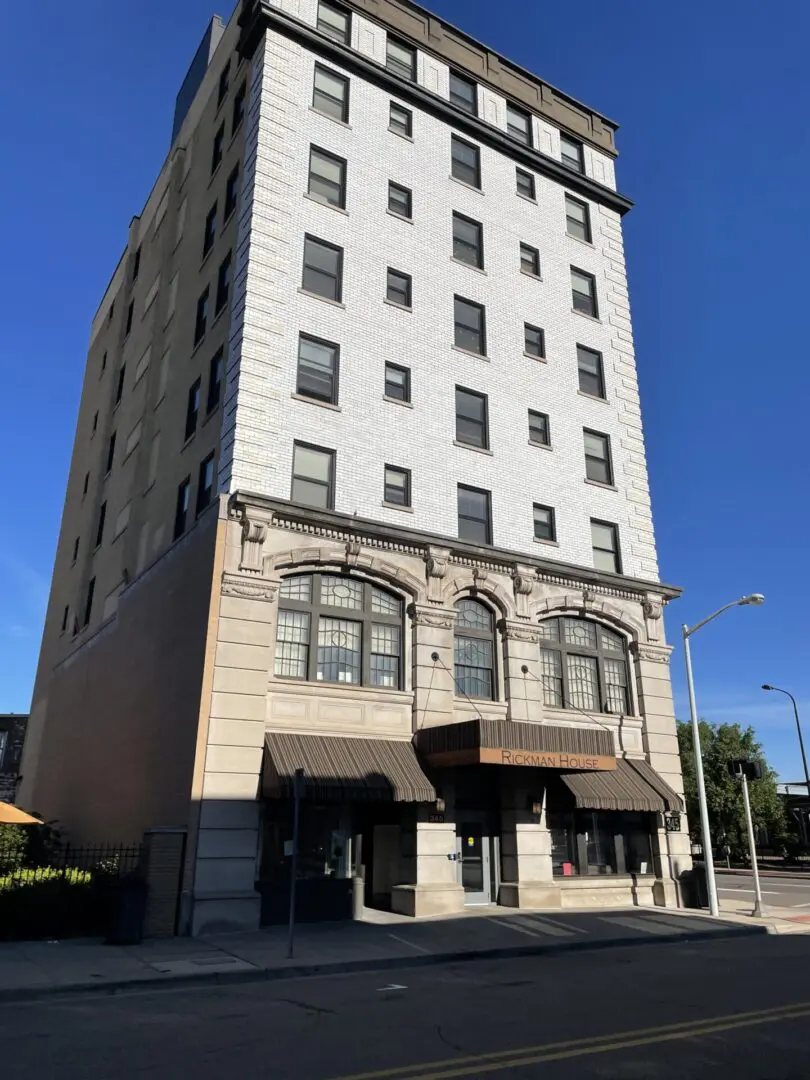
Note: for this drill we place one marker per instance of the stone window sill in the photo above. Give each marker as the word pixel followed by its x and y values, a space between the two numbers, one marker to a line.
pixel 468 266
pixel 469 187
pixel 547 543
pixel 396 506
pixel 592 397
pixel 314 401
pixel 540 445
pixel 334 119
pixel 531 274
pixel 394 304
pixel 399 135
pixel 475 449
pixel 534 356
pixel 469 352
pixel 328 205
pixel 599 484
pixel 397 401
pixel 323 299
pixel 585 315
pixel 399 217
pixel 526 198
pixel 578 239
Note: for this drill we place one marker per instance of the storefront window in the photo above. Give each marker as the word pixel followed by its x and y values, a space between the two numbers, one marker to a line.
pixel 597 831
pixel 637 846
pixel 324 845
pixel 563 845
pixel 596 843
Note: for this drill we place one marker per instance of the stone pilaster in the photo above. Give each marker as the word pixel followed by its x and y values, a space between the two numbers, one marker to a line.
pixel 524 692
pixel 431 885
pixel 433 682
pixel 525 848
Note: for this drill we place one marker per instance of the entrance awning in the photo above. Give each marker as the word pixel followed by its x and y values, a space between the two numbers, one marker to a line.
pixel 510 742
pixel 633 785
pixel 337 769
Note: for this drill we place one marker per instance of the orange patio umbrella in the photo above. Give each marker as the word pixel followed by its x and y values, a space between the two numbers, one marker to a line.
pixel 12 815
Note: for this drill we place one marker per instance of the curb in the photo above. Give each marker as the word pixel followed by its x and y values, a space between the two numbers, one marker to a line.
pixel 347 967
pixel 802 875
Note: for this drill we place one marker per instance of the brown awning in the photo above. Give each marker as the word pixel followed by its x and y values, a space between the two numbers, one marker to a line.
pixel 342 769
pixel 510 742
pixel 629 787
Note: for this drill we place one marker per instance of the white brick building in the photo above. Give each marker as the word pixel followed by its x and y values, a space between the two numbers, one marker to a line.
pixel 430 579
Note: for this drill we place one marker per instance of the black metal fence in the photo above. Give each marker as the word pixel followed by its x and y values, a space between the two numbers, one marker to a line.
pixel 50 889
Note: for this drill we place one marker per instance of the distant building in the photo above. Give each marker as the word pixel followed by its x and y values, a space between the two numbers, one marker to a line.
pixel 12 737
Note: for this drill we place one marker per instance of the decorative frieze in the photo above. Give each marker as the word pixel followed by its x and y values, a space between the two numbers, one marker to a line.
pixel 439 619
pixel 519 631
pixel 249 588
pixel 658 654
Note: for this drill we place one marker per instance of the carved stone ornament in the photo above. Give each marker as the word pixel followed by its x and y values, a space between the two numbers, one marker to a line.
pixel 353 548
pixel 523 579
pixel 436 562
pixel 441 620
pixel 249 588
pixel 479 576
pixel 513 631
pixel 254 533
pixel 658 654
pixel 588 597
pixel 653 610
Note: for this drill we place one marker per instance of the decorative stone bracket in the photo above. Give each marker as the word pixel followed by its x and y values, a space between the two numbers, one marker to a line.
pixel 436 561
pixel 254 533
pixel 523 581
pixel 653 610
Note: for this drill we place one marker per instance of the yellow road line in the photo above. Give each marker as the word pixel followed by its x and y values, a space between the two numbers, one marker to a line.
pixel 591 1044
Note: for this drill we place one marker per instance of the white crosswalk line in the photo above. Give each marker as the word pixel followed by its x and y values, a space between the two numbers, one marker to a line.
pixel 563 926
pixel 545 926
pixel 640 924
pixel 512 926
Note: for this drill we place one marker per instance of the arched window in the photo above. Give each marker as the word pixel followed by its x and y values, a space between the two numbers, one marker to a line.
pixel 473 650
pixel 338 629
pixel 583 666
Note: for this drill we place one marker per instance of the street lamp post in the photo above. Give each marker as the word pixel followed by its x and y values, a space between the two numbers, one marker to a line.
pixel 706 836
pixel 766 686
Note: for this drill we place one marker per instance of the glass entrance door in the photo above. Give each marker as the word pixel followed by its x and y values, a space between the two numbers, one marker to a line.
pixel 472 852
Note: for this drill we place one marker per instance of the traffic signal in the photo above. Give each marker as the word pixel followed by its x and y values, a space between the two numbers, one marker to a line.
pixel 751 770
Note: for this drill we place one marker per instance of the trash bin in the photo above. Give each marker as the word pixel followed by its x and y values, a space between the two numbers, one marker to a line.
pixel 128 911
pixel 694 887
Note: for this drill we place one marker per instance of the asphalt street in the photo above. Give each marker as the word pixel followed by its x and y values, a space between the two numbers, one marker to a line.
pixel 778 892
pixel 730 1009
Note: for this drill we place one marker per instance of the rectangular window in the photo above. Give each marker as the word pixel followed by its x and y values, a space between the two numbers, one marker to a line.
pixel 130 313
pixel 525 184
pixel 327 178
pixel 397 486
pixel 518 124
pixel 104 361
pixel 119 386
pixel 238 107
pixel 529 260
pixel 110 453
pixel 539 428
pixel 102 517
pixel 232 192
pixel 205 483
pixel 224 83
pixel 470 325
pixel 397 382
pixel 471 418
pixel 223 283
pixel 201 318
pixel 398 288
pixel 474 515
pixel 400 200
pixel 65 617
pixel 330 94
pixel 181 508
pixel 323 269
pixel 545 527
pixel 591 372
pixel 605 542
pixel 335 22
pixel 292 644
pixel 86 483
pixel 95 420
pixel 534 340
pixel 313 479
pixel 400 120
pixel 339 650
pixel 468 241
pixel 317 369
pixel 136 264
pixel 192 410
pixel 384 667
pixel 463 93
pixel 217 149
pixel 215 380
pixel 598 465
pixel 571 152
pixel 400 59
pixel 465 162
pixel 75 549
pixel 577 219
pixel 88 606
pixel 583 289
pixel 210 233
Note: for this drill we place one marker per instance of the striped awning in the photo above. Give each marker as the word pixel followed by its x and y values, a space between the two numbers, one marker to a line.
pixel 338 769
pixel 633 785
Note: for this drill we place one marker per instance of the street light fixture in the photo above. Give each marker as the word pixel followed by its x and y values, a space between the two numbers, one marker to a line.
pixel 706 836
pixel 766 686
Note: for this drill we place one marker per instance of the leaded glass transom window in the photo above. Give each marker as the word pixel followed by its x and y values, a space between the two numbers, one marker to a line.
pixel 583 666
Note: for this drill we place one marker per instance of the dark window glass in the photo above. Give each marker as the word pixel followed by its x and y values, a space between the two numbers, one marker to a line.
pixel 474 515
pixel 119 386
pixel 323 269
pixel 465 161
pixel 545 527
pixel 318 369
pixel 400 59
pixel 571 152
pixel 95 421
pixel 327 177
pixel 224 83
pixel 130 313
pixel 217 149
pixel 223 283
pixel 397 382
pixel 110 453
pixel 313 476
pixel 205 484
pixel 400 200
pixel 201 318
pixel 539 428
pixel 398 288
pixel 529 260
pixel 76 549
pixel 397 487
pixel 232 192
pixel 111 312
pixel 239 107
pixel 598 465
pixel 192 409
pixel 564 858
pixel 65 617
pixel 468 241
pixel 577 219
pixel 534 340
pixel 181 508
pixel 330 94
pixel 210 233
pixel 88 606
pixel 471 418
pixel 583 666
pixel 136 265
pixel 104 361
pixel 400 120
pixel 335 22
pixel 86 483
pixel 591 372
pixel 215 380
pixel 102 517
pixel 525 184
pixel 605 540
pixel 474 650
pixel 518 124
pixel 583 288
pixel 470 328
pixel 463 93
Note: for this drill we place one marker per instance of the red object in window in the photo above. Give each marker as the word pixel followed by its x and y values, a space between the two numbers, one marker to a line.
pixel 568 869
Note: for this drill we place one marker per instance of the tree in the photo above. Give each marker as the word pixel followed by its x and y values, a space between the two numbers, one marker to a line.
pixel 720 744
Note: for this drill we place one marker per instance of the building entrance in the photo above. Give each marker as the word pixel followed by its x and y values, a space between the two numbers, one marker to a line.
pixel 474 859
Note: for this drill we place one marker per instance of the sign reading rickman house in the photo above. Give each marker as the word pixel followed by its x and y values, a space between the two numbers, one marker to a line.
pixel 504 742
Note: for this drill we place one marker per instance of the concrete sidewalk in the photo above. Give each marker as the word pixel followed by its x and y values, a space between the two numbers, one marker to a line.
pixel 32 970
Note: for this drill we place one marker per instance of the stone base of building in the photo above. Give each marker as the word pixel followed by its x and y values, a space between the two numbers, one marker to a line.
pixel 578 893
pixel 225 914
pixel 422 900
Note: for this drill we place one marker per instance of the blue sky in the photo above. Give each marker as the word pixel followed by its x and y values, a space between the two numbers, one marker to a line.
pixel 713 102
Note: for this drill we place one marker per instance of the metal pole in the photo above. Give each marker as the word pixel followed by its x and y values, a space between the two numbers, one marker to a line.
pixel 298 783
pixel 801 741
pixel 706 835
pixel 752 844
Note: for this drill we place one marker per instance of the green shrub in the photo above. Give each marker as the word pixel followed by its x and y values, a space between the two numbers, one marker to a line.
pixel 32 879
pixel 13 846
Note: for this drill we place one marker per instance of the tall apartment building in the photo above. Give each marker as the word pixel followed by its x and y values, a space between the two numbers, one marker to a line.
pixel 359 488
